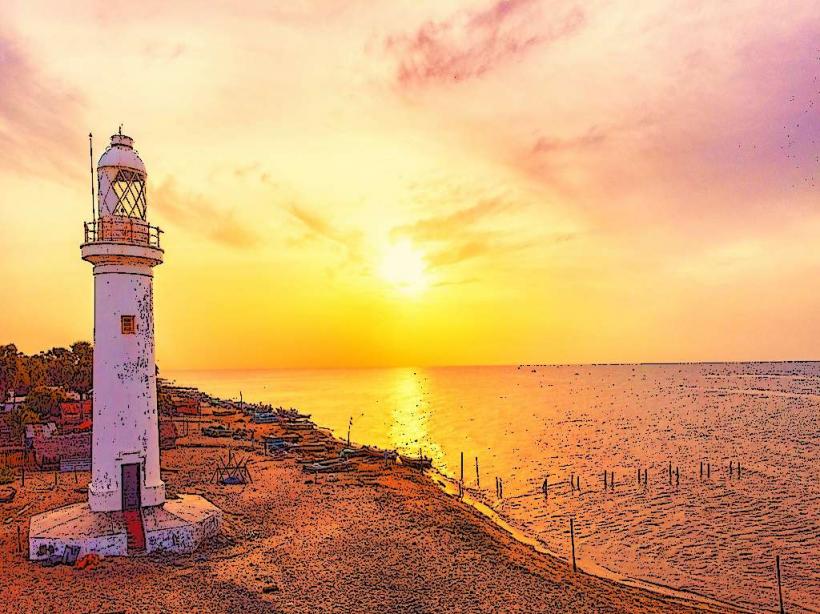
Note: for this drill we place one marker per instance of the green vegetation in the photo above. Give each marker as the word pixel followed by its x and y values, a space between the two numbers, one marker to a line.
pixel 66 368
pixel 41 401
pixel 18 418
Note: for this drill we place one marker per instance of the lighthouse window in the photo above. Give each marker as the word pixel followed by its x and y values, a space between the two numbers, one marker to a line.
pixel 129 325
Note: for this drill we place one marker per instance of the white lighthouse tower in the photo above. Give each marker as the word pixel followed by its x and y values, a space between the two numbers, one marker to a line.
pixel 124 249
pixel 127 511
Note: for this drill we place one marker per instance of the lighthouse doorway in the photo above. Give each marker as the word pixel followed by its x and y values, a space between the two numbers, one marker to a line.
pixel 131 486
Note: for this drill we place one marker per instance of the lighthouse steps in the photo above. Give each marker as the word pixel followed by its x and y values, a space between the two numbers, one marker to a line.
pixel 136 532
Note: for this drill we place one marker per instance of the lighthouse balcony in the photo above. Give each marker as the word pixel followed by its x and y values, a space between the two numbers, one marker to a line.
pixel 122 229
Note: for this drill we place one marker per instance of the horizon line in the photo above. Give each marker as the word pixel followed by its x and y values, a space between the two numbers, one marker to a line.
pixel 517 365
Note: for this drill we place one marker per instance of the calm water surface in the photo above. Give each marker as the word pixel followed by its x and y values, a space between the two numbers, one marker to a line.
pixel 716 535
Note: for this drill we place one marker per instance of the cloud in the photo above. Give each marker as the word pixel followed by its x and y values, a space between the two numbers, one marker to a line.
pixel 443 227
pixel 472 43
pixel 456 237
pixel 319 227
pixel 164 51
pixel 39 117
pixel 592 137
pixel 197 213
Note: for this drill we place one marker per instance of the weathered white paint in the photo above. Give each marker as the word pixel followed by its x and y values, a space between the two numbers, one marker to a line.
pixel 126 427
pixel 179 526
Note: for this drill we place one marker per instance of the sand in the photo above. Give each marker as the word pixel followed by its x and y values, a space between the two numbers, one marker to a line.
pixel 375 539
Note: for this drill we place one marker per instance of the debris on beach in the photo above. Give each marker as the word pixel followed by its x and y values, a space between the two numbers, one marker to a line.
pixel 230 472
pixel 7 494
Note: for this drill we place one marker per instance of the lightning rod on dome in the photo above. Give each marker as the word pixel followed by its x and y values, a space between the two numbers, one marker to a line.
pixel 91 156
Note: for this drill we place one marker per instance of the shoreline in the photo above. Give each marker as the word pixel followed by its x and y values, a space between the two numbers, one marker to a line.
pixel 449 486
pixel 389 536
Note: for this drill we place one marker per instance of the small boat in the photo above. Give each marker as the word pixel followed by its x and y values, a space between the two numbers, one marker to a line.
pixel 421 462
pixel 328 467
pixel 368 452
pixel 7 494
pixel 224 412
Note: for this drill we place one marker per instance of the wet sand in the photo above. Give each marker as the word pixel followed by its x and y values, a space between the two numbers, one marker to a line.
pixel 373 539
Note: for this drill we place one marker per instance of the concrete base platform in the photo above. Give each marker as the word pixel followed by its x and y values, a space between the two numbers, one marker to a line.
pixel 179 526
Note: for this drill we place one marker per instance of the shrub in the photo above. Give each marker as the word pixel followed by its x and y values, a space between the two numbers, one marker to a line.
pixel 7 475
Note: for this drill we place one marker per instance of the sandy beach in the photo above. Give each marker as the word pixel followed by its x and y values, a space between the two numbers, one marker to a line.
pixel 375 538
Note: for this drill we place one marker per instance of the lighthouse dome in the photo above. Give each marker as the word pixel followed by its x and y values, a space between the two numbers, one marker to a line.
pixel 121 153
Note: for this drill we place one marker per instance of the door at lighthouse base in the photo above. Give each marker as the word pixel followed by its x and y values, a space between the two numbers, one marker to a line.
pixel 131 486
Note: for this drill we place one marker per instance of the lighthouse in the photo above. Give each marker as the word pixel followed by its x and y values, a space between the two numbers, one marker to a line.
pixel 127 512
pixel 123 249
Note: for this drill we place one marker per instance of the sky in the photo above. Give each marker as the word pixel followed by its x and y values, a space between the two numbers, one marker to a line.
pixel 386 183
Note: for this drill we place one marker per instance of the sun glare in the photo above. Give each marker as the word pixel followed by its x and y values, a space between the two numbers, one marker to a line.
pixel 404 267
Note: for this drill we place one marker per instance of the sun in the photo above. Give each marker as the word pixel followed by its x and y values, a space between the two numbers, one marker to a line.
pixel 404 267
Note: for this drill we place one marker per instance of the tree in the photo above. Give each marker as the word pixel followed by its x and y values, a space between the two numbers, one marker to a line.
pixel 8 368
pixel 44 402
pixel 13 371
pixel 82 367
pixel 18 418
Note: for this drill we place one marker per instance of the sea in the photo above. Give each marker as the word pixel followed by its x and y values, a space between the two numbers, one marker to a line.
pixel 691 476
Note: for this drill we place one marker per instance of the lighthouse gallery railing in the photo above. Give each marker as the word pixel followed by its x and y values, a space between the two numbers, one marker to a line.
pixel 121 229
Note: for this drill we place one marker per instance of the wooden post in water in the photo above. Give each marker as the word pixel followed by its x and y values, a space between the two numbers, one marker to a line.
pixel 462 467
pixel 639 475
pixel 23 476
pixel 578 480
pixel 670 472
pixel 572 481
pixel 477 476
pixel 604 479
pixel 572 540
pixel 708 470
pixel 730 468
pixel 612 481
pixel 779 586
pixel 738 468
pixel 677 476
pixel 20 548
pixel 701 470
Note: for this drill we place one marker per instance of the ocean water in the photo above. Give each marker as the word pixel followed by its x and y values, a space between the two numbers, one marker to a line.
pixel 715 534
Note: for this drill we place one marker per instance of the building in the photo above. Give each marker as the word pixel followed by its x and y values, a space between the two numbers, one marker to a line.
pixel 75 415
pixel 51 448
pixel 126 511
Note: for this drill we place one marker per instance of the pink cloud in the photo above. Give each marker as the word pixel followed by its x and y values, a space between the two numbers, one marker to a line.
pixel 471 43
pixel 40 124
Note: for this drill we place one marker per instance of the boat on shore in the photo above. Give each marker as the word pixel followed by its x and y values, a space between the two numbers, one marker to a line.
pixel 417 462
pixel 7 494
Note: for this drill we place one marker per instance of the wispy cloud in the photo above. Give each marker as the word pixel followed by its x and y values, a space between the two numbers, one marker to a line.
pixel 195 212
pixel 443 227
pixel 39 116
pixel 472 43
pixel 318 227
pixel 465 234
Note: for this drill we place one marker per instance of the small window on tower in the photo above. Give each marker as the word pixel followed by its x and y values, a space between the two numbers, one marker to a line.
pixel 129 325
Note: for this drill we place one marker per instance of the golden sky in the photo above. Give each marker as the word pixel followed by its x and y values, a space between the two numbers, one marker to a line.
pixel 363 182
